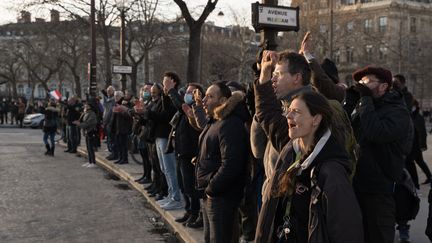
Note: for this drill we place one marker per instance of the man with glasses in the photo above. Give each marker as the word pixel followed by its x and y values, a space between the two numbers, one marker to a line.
pixel 383 130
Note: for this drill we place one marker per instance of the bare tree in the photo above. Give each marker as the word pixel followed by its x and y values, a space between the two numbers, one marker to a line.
pixel 195 27
pixel 11 68
pixel 145 33
pixel 73 50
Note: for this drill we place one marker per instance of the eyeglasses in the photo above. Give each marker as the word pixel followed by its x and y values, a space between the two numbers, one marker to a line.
pixel 367 80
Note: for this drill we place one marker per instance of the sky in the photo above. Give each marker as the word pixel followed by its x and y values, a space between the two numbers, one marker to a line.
pixel 235 11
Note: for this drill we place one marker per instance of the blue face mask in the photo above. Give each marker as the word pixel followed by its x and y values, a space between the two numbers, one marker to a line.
pixel 188 99
pixel 146 95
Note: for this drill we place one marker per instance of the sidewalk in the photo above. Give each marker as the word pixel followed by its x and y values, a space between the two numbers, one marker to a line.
pixel 130 172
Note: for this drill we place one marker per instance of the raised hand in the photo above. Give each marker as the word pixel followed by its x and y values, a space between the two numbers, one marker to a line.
pixel 268 61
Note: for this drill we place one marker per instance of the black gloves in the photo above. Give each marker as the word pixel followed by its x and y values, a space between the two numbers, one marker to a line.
pixel 363 90
pixel 256 70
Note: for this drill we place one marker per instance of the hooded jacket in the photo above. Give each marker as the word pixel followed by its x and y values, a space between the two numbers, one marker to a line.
pixel 384 132
pixel 221 169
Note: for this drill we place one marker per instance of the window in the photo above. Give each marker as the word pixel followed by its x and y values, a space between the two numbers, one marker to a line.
pixel 413 28
pixel 350 26
pixel 348 2
pixel 181 28
pixel 382 52
pixel 382 24
pixel 368 49
pixel 350 54
pixel 368 25
pixel 337 56
pixel 40 92
pixel 323 28
pixel 20 89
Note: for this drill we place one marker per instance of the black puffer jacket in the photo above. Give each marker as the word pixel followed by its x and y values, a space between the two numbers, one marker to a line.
pixel 384 131
pixel 161 114
pixel 221 170
pixel 185 136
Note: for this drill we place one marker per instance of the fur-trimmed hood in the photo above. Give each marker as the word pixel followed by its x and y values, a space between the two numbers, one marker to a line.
pixel 234 104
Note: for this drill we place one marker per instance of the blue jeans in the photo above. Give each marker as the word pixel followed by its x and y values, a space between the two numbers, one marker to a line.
pixel 168 167
pixel 51 136
pixel 72 137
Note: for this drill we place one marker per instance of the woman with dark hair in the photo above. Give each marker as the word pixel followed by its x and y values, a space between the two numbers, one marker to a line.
pixel 316 200
pixel 50 126
pixel 88 122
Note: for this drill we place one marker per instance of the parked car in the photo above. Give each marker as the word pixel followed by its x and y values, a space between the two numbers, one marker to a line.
pixel 34 120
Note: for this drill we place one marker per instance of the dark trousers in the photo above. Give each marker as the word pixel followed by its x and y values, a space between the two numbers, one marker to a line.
pixel 417 157
pixel 3 117
pixel 122 141
pixel 72 137
pixel 379 216
pixel 90 149
pixel 220 217
pixel 249 212
pixel 186 181
pixel 146 162
pixel 20 119
pixel 51 136
pixel 158 178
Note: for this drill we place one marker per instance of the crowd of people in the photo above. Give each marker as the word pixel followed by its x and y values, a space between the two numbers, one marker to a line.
pixel 297 156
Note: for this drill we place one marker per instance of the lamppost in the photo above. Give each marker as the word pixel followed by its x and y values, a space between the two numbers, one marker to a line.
pixel 121 5
pixel 92 65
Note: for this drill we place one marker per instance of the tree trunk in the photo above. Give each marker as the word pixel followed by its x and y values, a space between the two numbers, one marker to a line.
pixel 133 78
pixel 14 89
pixel 77 85
pixel 108 64
pixel 194 55
pixel 146 67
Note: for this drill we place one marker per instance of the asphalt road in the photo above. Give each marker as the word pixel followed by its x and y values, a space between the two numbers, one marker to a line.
pixel 46 199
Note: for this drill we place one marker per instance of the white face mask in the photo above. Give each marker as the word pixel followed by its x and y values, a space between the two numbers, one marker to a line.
pixel 413 108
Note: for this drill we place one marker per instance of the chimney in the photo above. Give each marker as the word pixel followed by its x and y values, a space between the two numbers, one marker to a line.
pixel 55 16
pixel 25 17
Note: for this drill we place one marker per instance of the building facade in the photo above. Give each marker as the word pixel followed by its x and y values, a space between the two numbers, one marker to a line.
pixel 395 34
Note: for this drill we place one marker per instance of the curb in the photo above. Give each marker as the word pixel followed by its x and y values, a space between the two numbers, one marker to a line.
pixel 184 234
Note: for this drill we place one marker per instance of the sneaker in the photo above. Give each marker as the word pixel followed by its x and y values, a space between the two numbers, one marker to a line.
pixel 86 164
pixel 404 233
pixel 91 166
pixel 172 205
pixel 163 201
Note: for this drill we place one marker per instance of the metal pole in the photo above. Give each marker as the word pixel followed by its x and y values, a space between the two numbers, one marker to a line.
pixel 269 35
pixel 122 47
pixel 93 82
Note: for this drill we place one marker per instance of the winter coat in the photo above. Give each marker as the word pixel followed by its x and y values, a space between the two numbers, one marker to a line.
pixel 222 161
pixel 122 123
pixel 420 129
pixel 88 122
pixel 73 113
pixel 51 119
pixel 185 136
pixel 384 131
pixel 322 82
pixel 262 141
pixel 161 114
pixel 109 103
pixel 275 127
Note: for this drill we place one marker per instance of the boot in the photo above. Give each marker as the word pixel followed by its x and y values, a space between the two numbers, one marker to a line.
pixel 48 149
pixel 197 224
pixel 51 153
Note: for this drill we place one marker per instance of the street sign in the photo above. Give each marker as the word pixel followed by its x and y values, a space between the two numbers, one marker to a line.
pixel 122 69
pixel 277 18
